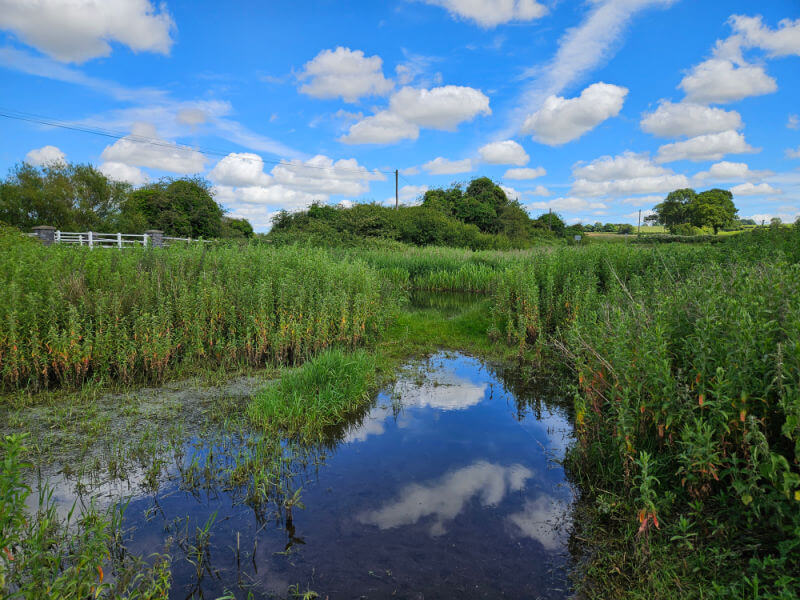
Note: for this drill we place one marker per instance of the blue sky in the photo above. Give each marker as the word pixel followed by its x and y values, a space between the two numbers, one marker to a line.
pixel 593 109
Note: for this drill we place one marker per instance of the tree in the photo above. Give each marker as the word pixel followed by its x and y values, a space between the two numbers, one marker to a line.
pixel 236 228
pixel 712 208
pixel 674 210
pixel 180 207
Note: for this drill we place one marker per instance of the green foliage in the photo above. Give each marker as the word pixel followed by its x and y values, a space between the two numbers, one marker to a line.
pixel 71 315
pixel 180 207
pixel 712 208
pixel 318 396
pixel 236 228
pixel 674 210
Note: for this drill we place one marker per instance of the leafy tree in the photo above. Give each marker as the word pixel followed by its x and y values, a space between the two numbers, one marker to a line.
pixel 625 228
pixel 712 208
pixel 236 228
pixel 551 222
pixel 179 207
pixel 674 210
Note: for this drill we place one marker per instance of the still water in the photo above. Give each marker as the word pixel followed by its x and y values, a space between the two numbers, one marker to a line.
pixel 449 487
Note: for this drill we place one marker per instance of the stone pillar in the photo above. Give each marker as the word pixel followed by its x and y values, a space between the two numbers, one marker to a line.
pixel 45 233
pixel 155 238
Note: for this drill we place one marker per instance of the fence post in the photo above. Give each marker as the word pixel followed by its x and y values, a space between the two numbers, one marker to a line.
pixel 144 241
pixel 91 241
pixel 156 237
pixel 119 240
pixel 46 234
pixel 58 236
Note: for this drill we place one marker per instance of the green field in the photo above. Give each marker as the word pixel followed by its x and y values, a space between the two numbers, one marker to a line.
pixel 682 363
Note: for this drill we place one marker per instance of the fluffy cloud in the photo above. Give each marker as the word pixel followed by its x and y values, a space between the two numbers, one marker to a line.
pixel 381 128
pixel 47 155
pixel 712 146
pixel 410 108
pixel 539 190
pixel 569 204
pixel 508 152
pixel 627 165
pixel 687 119
pixel 627 173
pixel 144 148
pixel 77 30
pixel 344 73
pixel 122 172
pixel 751 189
pixel 643 201
pixel 719 80
pixel 750 32
pixel 490 13
pixel 442 166
pixel 561 120
pixel 730 171
pixel 240 170
pixel 441 107
pixel 527 173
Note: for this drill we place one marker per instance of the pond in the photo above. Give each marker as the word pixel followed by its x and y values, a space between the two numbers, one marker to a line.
pixel 448 487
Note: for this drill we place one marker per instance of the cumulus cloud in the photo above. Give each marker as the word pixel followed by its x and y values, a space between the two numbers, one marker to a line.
pixel 712 146
pixel 750 32
pixel 627 173
pixel 568 204
pixel 46 155
pixel 720 80
pixel 381 128
pixel 751 189
pixel 240 170
pixel 539 190
pixel 122 172
pixel 443 166
pixel 526 173
pixel 441 107
pixel 346 74
pixel 561 120
pixel 508 152
pixel 643 201
pixel 410 108
pixel 77 30
pixel 688 119
pixel 490 13
pixel 144 148
pixel 730 171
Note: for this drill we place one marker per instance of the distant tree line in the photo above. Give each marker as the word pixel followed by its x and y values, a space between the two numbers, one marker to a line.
pixel 478 216
pixel 74 197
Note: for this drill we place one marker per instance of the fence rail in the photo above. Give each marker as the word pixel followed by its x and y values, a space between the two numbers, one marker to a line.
pixel 95 239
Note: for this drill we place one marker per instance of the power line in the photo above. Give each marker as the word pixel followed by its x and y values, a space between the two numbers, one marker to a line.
pixel 139 139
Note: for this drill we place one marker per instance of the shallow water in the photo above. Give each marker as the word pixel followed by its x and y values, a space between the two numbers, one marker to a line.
pixel 446 488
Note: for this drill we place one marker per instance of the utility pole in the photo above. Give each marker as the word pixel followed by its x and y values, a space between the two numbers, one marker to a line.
pixel 396 189
pixel 640 221
pixel 550 219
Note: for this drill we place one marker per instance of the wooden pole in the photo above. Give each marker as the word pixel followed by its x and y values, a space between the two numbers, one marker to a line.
pixel 640 221
pixel 396 189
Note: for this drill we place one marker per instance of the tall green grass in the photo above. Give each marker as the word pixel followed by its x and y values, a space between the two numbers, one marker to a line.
pixel 69 315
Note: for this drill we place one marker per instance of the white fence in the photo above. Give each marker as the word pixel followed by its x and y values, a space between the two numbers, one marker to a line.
pixel 94 239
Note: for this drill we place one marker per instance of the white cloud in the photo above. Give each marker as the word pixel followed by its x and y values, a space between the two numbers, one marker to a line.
pixel 441 107
pixel 561 120
pixel 539 190
pixel 192 116
pixel 718 80
pixel 122 172
pixel 381 128
pixel 144 148
pixel 627 165
pixel 410 171
pixel 527 173
pixel 793 122
pixel 539 519
pixel 730 171
pixel 240 170
pixel 687 119
pixel 443 166
pixel 751 189
pixel 712 146
pixel 750 32
pixel 792 153
pixel 787 217
pixel 77 30
pixel 344 73
pixel 569 204
pixel 321 174
pixel 510 192
pixel 47 155
pixel 490 13
pixel 411 108
pixel 411 192
pixel 643 200
pixel 627 173
pixel 508 152
pixel 636 185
